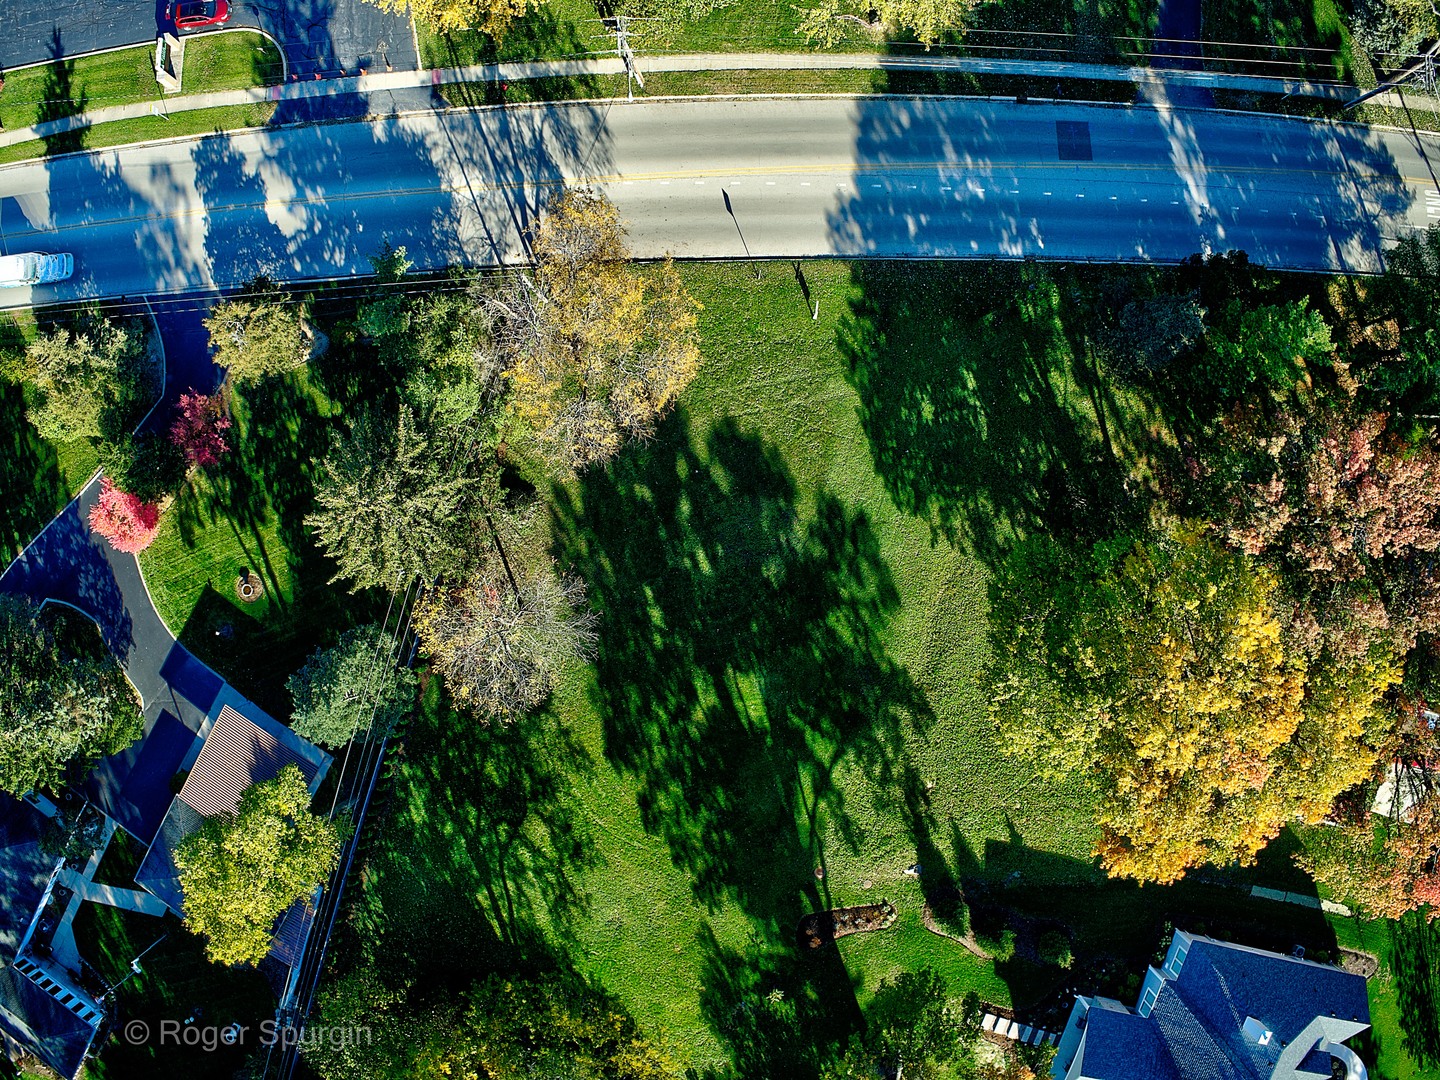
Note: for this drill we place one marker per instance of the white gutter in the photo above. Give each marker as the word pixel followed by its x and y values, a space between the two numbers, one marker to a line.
pixel 1354 1067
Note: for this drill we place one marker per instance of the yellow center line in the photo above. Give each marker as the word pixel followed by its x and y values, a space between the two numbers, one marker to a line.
pixel 955 169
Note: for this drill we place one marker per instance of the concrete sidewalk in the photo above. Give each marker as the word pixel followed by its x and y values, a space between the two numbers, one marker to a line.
pixel 388 93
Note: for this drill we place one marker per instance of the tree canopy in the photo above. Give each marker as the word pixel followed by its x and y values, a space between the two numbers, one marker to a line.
pixel 61 703
pixel 551 1025
pixel 1161 670
pixel 355 684
pixel 89 379
pixel 595 349
pixel 490 17
pixel 501 638
pixel 258 333
pixel 240 873
pixel 389 506
pixel 928 20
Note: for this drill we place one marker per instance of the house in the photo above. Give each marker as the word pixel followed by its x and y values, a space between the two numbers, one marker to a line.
pixel 52 1003
pixel 48 1001
pixel 1217 1011
pixel 238 750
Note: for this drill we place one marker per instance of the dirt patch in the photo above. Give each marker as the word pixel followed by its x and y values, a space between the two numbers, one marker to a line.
pixel 1359 963
pixel 822 927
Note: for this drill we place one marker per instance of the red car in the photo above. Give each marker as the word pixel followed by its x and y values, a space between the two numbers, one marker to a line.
pixel 198 14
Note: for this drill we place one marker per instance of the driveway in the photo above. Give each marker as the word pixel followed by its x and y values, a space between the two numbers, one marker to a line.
pixel 325 37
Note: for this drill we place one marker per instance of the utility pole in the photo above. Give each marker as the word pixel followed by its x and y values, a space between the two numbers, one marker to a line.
pixel 622 49
pixel 1424 68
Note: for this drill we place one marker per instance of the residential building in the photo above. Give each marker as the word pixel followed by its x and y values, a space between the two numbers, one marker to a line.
pixel 1217 1011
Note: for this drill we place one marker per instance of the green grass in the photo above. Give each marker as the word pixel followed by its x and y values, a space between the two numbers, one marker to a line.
pixel 147 129
pixel 793 585
pixel 569 28
pixel 67 87
pixel 37 477
pixel 246 515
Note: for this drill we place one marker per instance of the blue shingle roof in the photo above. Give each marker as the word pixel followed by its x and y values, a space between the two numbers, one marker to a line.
pixel 1123 1046
pixel 1194 1030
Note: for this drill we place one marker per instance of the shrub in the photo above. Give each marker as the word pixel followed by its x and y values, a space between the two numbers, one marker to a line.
pixel 1054 949
pixel 123 519
pixel 147 466
pixel 1001 946
pixel 199 429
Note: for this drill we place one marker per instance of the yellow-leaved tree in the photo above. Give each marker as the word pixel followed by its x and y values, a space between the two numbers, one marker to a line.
pixel 1161 671
pixel 595 348
pixel 491 17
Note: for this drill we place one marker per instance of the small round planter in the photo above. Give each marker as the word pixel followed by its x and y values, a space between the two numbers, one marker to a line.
pixel 249 588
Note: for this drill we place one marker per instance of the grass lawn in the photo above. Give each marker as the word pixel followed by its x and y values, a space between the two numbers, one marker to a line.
pixel 148 128
pixel 569 28
pixel 227 61
pixel 246 514
pixel 785 711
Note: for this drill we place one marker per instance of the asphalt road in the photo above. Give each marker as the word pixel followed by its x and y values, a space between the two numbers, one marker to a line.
pixel 325 36
pixel 867 177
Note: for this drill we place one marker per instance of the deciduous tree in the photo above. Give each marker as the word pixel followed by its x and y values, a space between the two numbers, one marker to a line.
pixel 121 518
pixel 596 350
pixel 1160 669
pixel 59 704
pixel 928 20
pixel 500 639
pixel 552 1025
pixel 1385 864
pixel 199 429
pixel 389 506
pixel 240 873
pixel 357 684
pixel 89 379
pixel 491 17
pixel 912 1028
pixel 1267 347
pixel 258 333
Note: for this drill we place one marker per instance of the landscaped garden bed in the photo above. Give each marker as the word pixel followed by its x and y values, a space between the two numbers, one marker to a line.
pixel 823 927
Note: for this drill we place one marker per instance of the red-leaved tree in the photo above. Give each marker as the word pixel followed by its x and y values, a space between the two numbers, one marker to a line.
pixel 121 518
pixel 199 430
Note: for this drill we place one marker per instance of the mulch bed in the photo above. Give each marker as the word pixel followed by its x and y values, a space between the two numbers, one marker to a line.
pixel 822 927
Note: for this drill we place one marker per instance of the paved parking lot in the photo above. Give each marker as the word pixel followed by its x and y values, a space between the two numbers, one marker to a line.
pixel 318 36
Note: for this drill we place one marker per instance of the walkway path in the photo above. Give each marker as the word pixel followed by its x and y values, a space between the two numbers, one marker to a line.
pixel 388 93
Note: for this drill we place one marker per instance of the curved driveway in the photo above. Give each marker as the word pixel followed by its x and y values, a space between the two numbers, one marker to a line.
pixel 716 178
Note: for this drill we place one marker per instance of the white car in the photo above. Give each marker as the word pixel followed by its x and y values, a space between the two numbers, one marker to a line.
pixel 34 268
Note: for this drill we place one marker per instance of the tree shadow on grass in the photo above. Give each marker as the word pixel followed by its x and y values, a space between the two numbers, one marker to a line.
pixel 740 663
pixel 485 847
pixel 281 434
pixel 30 480
pixel 779 1013
pixel 978 422
pixel 60 99
pixel 1415 959
pixel 740 656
